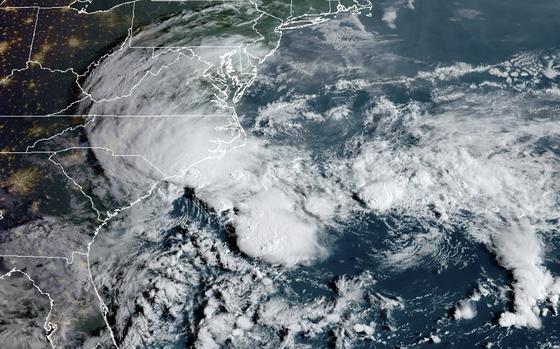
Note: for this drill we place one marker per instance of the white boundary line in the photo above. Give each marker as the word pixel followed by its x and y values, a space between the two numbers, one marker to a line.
pixel 68 261
pixel 56 152
pixel 33 37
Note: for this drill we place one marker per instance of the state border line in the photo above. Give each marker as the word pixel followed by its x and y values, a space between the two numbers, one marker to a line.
pixel 68 260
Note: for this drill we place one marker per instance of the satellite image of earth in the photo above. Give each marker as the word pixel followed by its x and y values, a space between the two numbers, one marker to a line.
pixel 279 174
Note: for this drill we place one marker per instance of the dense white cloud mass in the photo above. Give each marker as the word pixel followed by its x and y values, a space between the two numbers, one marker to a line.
pixel 281 202
pixel 390 16
pixel 171 144
pixel 465 309
pixel 522 252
